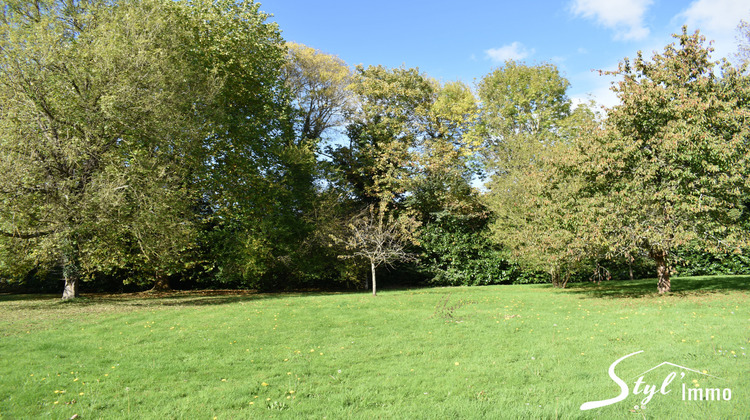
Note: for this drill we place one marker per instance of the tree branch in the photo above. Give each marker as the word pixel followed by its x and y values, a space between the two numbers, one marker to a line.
pixel 19 235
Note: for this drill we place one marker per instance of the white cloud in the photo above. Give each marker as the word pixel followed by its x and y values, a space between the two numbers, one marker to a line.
pixel 717 20
pixel 559 59
pixel 592 85
pixel 514 51
pixel 603 95
pixel 716 15
pixel 625 17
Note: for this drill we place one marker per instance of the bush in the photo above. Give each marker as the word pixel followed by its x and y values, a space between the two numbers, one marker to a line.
pixel 690 261
pixel 456 251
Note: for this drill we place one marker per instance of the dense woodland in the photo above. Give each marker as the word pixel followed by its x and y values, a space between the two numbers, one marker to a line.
pixel 185 144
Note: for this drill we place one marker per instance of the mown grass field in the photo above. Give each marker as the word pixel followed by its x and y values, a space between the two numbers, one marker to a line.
pixel 501 352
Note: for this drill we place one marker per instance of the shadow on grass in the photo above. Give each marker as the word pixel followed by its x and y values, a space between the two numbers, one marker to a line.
pixel 681 286
pixel 12 297
pixel 152 299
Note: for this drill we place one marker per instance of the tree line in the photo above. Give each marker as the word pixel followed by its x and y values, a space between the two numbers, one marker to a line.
pixel 153 142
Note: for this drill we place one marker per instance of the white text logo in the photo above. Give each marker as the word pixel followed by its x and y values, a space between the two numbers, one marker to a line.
pixel 648 391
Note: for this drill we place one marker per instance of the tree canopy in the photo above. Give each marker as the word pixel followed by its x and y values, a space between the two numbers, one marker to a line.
pixel 119 117
pixel 670 167
pixel 532 132
pixel 158 141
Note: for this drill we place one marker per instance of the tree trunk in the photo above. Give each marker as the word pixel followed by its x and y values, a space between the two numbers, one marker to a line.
pixel 70 273
pixel 553 277
pixel 161 282
pixel 372 268
pixel 662 271
pixel 71 288
pixel 630 267
pixel 566 279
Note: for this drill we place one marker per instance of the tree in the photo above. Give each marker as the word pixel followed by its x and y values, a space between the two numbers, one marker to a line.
pixel 411 145
pixel 522 106
pixel 254 176
pixel 670 168
pixel 531 133
pixel 383 128
pixel 379 239
pixel 128 114
pixel 445 156
pixel 743 42
pixel 83 94
pixel 319 97
pixel 409 136
pixel 152 224
pixel 319 87
pixel 458 250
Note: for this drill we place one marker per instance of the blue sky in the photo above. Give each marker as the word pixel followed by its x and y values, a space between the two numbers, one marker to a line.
pixel 467 39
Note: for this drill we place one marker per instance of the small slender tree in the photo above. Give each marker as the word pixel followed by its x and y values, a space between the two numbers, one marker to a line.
pixel 379 238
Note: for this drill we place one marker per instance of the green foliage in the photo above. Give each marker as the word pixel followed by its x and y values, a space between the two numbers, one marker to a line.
pixel 254 179
pixel 152 140
pixel 671 166
pixel 694 261
pixel 667 168
pixel 135 123
pixel 457 251
pixel 382 131
pixel 519 100
pixel 446 155
pixel 532 135
pixel 84 146
pixel 407 130
pixel 318 84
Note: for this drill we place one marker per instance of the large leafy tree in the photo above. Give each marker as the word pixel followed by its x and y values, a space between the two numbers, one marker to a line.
pixel 86 87
pixel 382 129
pixel 531 130
pixel 319 97
pixel 537 207
pixel 671 166
pixel 446 153
pixel 407 133
pixel 318 84
pixel 410 146
pixel 118 118
pixel 255 176
pixel 521 109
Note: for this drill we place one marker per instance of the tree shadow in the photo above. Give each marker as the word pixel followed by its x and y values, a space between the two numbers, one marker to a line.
pixel 13 297
pixel 152 299
pixel 681 286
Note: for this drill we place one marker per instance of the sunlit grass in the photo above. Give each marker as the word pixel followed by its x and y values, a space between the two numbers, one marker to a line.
pixel 486 352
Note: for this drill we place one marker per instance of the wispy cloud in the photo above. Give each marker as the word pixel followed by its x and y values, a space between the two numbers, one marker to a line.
pixel 513 51
pixel 717 20
pixel 625 17
pixel 591 85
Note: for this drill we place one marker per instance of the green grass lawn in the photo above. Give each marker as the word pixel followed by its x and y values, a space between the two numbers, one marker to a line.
pixel 483 352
